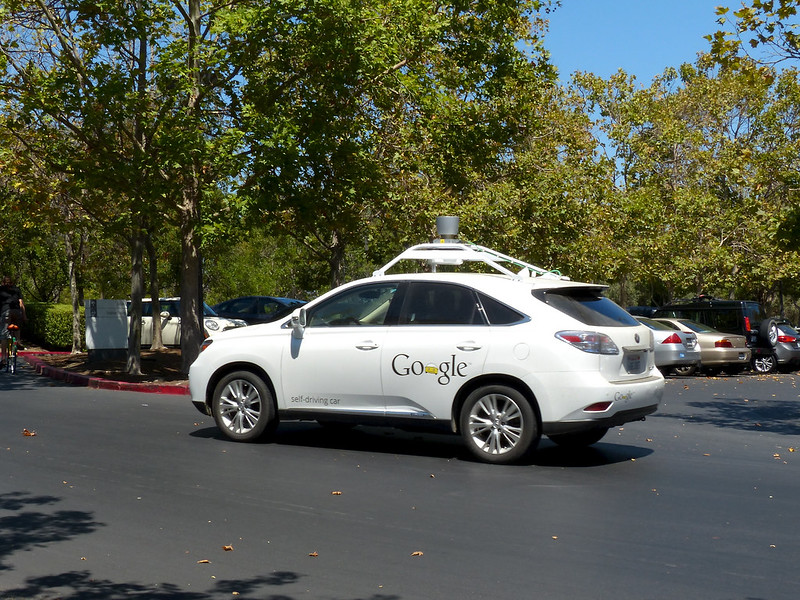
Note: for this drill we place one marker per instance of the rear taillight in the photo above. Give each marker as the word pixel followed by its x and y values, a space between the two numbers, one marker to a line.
pixel 747 323
pixel 673 339
pixel 206 343
pixel 787 339
pixel 723 343
pixel 589 341
pixel 598 407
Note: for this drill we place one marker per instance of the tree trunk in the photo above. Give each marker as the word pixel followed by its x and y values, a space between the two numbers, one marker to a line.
pixel 336 260
pixel 134 366
pixel 73 257
pixel 152 259
pixel 191 291
pixel 191 296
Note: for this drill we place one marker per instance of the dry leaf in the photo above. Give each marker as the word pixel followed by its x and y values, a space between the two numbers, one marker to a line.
pixel 337 493
pixel 313 554
pixel 228 548
pixel 28 433
pixel 417 553
pixel 205 561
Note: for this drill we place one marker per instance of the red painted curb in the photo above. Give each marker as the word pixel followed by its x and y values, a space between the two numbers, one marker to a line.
pixel 42 368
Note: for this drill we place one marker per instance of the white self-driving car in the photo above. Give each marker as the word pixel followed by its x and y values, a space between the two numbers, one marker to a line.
pixel 500 359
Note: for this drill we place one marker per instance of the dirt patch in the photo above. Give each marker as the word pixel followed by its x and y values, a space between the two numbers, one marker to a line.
pixel 157 366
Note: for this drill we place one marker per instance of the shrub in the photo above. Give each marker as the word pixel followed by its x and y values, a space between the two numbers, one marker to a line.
pixel 50 325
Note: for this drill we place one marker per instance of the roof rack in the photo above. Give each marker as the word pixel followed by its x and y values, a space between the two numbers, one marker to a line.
pixel 452 253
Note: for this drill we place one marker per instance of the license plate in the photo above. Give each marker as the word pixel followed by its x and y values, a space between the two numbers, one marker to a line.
pixel 634 362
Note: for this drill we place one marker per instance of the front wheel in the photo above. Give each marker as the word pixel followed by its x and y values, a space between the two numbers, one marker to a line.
pixel 243 406
pixel 498 424
pixel 764 363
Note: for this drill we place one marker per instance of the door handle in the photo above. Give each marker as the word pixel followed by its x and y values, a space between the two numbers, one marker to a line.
pixel 367 345
pixel 468 346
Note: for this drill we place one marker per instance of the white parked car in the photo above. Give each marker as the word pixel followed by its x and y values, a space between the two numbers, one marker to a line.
pixel 501 359
pixel 171 321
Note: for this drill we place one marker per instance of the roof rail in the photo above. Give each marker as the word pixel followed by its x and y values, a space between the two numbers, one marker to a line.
pixel 457 253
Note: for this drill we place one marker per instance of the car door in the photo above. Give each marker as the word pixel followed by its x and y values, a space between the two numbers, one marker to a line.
pixel 171 324
pixel 335 366
pixel 441 340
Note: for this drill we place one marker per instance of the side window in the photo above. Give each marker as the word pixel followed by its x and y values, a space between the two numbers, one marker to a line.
pixel 172 308
pixel 432 303
pixel 241 306
pixel 726 320
pixel 498 313
pixel 268 307
pixel 364 305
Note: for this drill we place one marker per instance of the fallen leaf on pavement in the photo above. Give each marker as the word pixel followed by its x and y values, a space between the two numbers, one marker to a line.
pixel 205 561
pixel 28 433
pixel 228 548
pixel 417 553
pixel 314 554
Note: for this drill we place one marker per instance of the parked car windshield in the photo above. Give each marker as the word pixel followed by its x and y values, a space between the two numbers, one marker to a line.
pixel 698 327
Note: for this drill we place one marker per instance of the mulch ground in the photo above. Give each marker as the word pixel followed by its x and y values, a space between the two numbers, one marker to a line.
pixel 157 366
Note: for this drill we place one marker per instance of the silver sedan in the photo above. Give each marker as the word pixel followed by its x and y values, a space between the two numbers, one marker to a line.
pixel 673 349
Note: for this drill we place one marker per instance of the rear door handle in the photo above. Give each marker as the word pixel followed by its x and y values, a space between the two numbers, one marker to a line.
pixel 468 346
pixel 367 345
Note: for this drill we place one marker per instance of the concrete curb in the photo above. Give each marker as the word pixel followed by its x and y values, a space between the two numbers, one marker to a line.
pixel 42 368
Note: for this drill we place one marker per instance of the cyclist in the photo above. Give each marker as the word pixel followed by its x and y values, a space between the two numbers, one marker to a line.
pixel 12 310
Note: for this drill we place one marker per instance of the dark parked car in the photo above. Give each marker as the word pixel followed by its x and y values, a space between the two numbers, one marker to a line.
pixel 743 317
pixel 787 350
pixel 257 309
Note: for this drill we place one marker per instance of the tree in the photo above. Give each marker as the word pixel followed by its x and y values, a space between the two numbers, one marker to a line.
pixel 123 99
pixel 360 115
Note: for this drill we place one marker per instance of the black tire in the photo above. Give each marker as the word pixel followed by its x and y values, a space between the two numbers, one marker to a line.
pixel 768 333
pixel 498 424
pixel 579 439
pixel 764 363
pixel 685 370
pixel 243 407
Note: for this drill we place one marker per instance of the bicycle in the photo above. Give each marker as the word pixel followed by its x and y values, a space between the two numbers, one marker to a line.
pixel 13 343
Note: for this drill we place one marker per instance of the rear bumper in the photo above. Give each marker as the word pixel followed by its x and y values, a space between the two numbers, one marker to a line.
pixel 615 420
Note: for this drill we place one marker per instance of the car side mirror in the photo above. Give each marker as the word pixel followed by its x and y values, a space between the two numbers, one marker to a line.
pixel 299 320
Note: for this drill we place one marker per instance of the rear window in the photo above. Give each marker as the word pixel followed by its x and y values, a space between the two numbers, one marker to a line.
pixel 655 325
pixel 588 306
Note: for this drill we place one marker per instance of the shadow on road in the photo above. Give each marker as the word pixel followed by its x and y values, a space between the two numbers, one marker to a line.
pixel 772 416
pixel 27 528
pixel 434 445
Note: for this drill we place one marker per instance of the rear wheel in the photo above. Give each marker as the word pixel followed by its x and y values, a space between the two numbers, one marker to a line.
pixel 498 424
pixel 579 439
pixel 764 363
pixel 243 406
pixel 685 370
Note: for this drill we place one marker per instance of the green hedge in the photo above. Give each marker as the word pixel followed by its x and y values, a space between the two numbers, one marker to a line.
pixel 50 325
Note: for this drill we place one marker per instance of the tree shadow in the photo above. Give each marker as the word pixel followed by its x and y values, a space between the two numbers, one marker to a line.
pixel 745 414
pixel 80 585
pixel 28 528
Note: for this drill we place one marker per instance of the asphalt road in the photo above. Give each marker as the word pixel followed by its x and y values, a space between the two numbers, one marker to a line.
pixel 122 495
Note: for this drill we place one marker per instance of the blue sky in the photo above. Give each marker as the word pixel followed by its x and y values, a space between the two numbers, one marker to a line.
pixel 642 37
